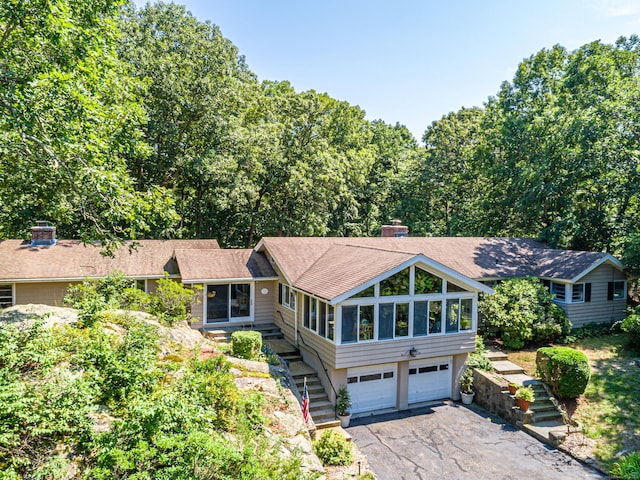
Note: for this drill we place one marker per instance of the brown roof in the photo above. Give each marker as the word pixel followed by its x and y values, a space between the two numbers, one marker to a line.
pixel 344 267
pixel 311 263
pixel 199 265
pixel 71 259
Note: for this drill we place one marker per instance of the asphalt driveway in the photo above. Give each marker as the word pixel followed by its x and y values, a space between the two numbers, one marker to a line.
pixel 451 441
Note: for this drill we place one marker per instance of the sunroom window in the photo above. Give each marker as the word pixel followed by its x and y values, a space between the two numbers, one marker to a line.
pixel 459 315
pixel 366 293
pixel 397 284
pixel 425 282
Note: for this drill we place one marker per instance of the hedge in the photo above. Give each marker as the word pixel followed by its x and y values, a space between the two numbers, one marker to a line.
pixel 246 344
pixel 564 369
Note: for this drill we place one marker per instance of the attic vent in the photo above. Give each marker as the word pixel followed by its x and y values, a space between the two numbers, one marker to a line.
pixel 43 234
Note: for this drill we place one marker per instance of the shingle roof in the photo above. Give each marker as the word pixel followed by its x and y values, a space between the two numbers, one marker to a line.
pixel 70 259
pixel 344 267
pixel 318 265
pixel 199 265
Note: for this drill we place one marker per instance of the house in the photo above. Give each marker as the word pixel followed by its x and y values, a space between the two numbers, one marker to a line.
pixel 393 318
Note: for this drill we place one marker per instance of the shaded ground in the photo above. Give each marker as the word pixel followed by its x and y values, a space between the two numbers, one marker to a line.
pixel 449 441
pixel 608 409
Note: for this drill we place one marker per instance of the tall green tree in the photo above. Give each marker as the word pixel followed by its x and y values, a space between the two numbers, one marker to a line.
pixel 69 116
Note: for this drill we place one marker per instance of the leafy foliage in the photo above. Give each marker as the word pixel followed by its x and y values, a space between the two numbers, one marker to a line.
pixel 631 325
pixel 478 358
pixel 466 380
pixel 109 406
pixel 521 311
pixel 172 300
pixel 333 449
pixel 627 467
pixel 246 344
pixel 566 370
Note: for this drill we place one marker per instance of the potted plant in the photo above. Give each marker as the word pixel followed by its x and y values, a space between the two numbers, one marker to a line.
pixel 466 386
pixel 343 404
pixel 525 396
pixel 513 387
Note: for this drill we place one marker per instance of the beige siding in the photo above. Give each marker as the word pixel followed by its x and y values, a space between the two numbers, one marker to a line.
pixel 326 349
pixel 263 309
pixel 599 309
pixel 197 308
pixel 152 285
pixel 358 355
pixel 284 317
pixel 45 293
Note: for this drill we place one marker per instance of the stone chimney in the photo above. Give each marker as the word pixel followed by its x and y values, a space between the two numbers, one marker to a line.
pixel 396 229
pixel 43 234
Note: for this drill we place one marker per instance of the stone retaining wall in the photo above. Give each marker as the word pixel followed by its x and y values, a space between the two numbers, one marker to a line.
pixel 492 393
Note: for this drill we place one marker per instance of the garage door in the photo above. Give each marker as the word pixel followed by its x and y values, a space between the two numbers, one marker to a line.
pixel 373 387
pixel 429 379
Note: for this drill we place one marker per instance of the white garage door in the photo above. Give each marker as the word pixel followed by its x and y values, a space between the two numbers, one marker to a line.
pixel 373 387
pixel 429 379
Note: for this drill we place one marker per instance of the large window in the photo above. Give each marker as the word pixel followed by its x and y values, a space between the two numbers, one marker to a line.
pixel 577 293
pixel 349 324
pixel 318 316
pixel 397 284
pixel 426 282
pixel 6 295
pixel 459 315
pixel 228 302
pixel 558 289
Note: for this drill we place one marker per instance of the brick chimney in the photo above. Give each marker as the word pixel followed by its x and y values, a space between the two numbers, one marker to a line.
pixel 396 229
pixel 43 234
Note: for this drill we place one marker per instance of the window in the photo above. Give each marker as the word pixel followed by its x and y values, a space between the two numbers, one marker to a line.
pixel 425 282
pixel 452 287
pixel 322 319
pixel 286 296
pixel 331 325
pixel 313 314
pixel 385 321
pixel 466 314
pixel 402 320
pixel 397 284
pixel 435 317
pixel 306 309
pixel 349 324
pixel 366 293
pixel 577 293
pixel 140 285
pixel 453 311
pixel 420 318
pixel 228 301
pixel 366 322
pixel 6 295
pixel 558 289
pixel 617 290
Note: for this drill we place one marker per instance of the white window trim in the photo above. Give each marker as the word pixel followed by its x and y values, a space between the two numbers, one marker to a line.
pixel 624 290
pixel 230 319
pixel 556 299
pixel 581 299
pixel 13 293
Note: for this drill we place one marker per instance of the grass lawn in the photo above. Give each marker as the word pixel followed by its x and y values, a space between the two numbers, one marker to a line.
pixel 609 410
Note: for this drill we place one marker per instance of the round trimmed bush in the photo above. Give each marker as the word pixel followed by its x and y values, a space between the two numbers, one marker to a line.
pixel 333 449
pixel 564 369
pixel 246 344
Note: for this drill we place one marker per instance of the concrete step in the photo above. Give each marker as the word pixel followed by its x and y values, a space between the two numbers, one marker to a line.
pixel 495 355
pixel 323 416
pixel 546 416
pixel 223 333
pixel 329 424
pixel 299 370
pixel 543 405
pixel 316 406
pixel 505 367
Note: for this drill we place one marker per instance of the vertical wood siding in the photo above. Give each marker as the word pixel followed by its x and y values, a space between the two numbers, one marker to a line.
pixel 45 293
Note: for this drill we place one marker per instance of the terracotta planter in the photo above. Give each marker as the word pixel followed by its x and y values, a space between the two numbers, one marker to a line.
pixel 524 404
pixel 512 388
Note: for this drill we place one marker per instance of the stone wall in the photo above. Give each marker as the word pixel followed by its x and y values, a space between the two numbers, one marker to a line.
pixel 492 393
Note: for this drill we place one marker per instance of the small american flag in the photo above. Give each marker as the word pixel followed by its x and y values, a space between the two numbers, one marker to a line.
pixel 305 402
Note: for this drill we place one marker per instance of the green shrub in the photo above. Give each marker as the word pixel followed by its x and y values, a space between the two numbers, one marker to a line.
pixel 478 359
pixel 564 369
pixel 627 467
pixel 333 449
pixel 631 325
pixel 521 311
pixel 246 344
pixel 171 301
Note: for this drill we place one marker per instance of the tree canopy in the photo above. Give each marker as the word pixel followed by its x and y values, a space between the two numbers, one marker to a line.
pixel 130 123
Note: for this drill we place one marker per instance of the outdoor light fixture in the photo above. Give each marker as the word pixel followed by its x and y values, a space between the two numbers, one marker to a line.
pixel 413 352
pixel 211 294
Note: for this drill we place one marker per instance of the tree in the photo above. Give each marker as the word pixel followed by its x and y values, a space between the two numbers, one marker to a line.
pixel 70 116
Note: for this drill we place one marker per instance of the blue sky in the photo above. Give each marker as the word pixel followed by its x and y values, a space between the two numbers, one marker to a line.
pixel 407 61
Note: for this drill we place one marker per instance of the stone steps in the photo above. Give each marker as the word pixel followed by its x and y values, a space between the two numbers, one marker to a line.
pixel 222 334
pixel 505 367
